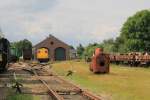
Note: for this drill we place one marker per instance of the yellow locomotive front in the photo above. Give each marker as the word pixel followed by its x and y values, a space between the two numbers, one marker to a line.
pixel 43 55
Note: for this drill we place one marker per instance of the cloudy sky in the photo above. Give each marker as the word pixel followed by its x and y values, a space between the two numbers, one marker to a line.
pixel 73 21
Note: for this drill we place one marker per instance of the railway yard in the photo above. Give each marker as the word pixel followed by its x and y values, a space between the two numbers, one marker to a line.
pixel 75 50
pixel 37 80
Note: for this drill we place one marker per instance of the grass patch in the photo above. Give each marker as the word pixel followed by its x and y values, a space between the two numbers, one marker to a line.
pixel 22 97
pixel 122 83
pixel 11 95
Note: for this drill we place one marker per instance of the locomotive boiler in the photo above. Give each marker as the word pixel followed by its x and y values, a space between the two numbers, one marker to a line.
pixel 4 53
pixel 100 62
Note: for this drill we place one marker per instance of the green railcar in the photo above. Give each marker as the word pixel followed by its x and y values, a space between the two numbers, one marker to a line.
pixel 15 54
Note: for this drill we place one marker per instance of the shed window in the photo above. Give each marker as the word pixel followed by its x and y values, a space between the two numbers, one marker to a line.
pixel 52 43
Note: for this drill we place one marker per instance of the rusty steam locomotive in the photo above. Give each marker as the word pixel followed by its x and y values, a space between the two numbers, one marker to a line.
pixel 99 62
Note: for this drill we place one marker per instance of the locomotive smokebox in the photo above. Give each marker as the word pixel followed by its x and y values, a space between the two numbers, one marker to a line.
pixel 100 62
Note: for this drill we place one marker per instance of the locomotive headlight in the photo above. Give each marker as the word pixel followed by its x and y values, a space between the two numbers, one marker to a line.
pixel 1 57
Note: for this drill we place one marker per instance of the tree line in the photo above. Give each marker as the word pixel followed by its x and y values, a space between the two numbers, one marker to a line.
pixel 19 46
pixel 134 37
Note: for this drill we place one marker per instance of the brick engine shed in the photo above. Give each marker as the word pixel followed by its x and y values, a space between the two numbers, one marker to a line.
pixel 58 50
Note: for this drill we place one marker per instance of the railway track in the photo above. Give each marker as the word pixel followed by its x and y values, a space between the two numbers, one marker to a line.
pixel 51 92
pixel 37 79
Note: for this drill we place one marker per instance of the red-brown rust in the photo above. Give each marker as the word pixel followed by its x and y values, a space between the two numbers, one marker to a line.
pixel 100 62
pixel 134 58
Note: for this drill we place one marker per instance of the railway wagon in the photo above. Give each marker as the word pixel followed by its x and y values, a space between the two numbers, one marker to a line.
pixel 100 62
pixel 133 59
pixel 42 54
pixel 120 58
pixel 143 59
pixel 4 54
pixel 27 54
pixel 14 57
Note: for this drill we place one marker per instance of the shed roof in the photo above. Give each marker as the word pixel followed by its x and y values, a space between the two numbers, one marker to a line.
pixel 48 40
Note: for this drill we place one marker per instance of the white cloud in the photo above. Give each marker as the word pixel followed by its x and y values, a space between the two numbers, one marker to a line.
pixel 74 21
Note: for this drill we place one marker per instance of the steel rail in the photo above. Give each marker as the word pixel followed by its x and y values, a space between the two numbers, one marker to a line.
pixel 82 91
pixel 77 88
pixel 50 91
